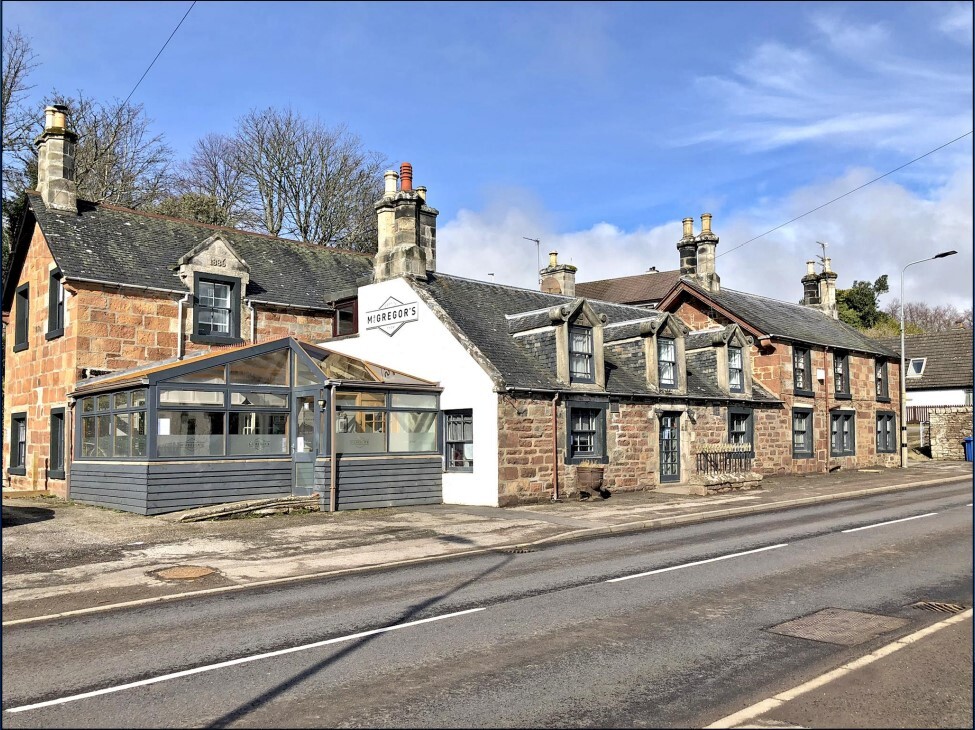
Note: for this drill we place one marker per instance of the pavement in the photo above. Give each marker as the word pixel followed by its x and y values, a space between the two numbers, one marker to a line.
pixel 63 558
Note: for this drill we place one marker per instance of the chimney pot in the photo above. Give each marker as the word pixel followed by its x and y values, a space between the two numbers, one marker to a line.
pixel 705 223
pixel 688 227
pixel 389 182
pixel 553 258
pixel 810 267
pixel 406 177
pixel 422 192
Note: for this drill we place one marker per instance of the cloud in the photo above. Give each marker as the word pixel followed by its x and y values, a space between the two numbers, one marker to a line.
pixel 956 22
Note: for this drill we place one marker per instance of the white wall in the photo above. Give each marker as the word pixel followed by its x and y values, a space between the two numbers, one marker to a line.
pixel 426 349
pixel 954 397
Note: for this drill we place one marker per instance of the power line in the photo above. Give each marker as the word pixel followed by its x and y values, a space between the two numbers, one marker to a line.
pixel 849 192
pixel 158 54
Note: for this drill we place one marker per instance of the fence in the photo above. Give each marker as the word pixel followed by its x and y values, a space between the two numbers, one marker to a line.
pixel 920 414
pixel 725 461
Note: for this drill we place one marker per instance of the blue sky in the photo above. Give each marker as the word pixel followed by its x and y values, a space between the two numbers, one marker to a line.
pixel 595 127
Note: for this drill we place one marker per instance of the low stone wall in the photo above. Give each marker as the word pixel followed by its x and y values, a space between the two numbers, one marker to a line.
pixel 949 425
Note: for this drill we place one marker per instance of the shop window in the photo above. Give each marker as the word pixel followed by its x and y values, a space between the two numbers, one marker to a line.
pixel 346 320
pixel 667 362
pixel 459 440
pixel 883 387
pixel 113 426
pixel 841 375
pixel 586 433
pixel 372 422
pixel 22 325
pixel 886 433
pixel 183 434
pixel 802 433
pixel 55 464
pixel 55 306
pixel 259 433
pixel 741 428
pixel 580 355
pixel 18 444
pixel 801 366
pixel 736 371
pixel 216 309
pixel 842 434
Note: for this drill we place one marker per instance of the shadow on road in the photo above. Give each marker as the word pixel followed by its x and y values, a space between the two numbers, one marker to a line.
pixel 13 516
pixel 410 614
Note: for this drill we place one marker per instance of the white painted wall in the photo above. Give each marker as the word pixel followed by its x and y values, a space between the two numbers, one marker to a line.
pixel 426 349
pixel 953 397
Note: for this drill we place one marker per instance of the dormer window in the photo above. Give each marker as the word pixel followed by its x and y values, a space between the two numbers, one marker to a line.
pixel 216 312
pixel 667 362
pixel 580 355
pixel 736 370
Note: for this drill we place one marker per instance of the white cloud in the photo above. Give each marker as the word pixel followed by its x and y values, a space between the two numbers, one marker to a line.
pixel 956 22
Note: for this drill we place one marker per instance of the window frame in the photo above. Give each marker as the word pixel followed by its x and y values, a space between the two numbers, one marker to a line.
pixel 590 356
pixel 740 369
pixel 807 451
pixel 910 367
pixel 806 360
pixel 387 410
pixel 598 454
pixel 749 414
pixel 56 471
pixel 80 414
pixel 55 305
pixel 466 415
pixel 350 305
pixel 18 458
pixel 881 380
pixel 233 337
pixel 22 318
pixel 837 417
pixel 890 429
pixel 661 361
pixel 841 358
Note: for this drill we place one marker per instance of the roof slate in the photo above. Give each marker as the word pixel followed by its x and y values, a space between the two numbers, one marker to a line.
pixel 640 288
pixel 122 246
pixel 949 358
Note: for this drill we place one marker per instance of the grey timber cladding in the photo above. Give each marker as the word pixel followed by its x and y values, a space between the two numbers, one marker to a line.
pixel 116 486
pixel 174 486
pixel 376 482
pixel 123 246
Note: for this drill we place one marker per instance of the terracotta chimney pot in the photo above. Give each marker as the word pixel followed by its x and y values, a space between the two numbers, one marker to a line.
pixel 406 177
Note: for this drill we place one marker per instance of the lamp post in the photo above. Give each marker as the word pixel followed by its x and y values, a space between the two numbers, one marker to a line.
pixel 903 369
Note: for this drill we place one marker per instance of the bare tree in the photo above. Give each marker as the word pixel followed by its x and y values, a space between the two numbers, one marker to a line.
pixel 930 318
pixel 18 62
pixel 214 171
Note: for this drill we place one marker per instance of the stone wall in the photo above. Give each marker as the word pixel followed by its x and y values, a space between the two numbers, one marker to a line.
pixel 949 426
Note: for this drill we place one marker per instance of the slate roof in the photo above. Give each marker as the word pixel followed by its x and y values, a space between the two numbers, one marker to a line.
pixel 483 312
pixel 783 320
pixel 640 288
pixel 949 358
pixel 113 244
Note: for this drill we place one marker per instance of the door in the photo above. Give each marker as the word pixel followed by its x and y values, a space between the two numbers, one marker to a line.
pixel 670 447
pixel 305 439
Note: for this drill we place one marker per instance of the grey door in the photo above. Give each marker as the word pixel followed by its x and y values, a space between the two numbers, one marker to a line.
pixel 670 447
pixel 305 438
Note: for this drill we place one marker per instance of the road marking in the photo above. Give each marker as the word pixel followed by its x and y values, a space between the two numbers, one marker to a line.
pixel 242 660
pixel 760 708
pixel 890 522
pixel 696 562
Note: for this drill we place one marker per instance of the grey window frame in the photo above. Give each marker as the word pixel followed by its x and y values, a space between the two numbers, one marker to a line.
pixel 844 393
pixel 807 451
pixel 111 412
pixel 387 410
pixel 57 445
pixel 55 305
pixel 599 447
pixel 352 306
pixel 740 370
pixel 749 414
pixel 881 366
pixel 836 418
pixel 661 361
pixel 590 356
pixel 890 429
pixel 18 458
pixel 806 360
pixel 233 338
pixel 466 415
pixel 22 318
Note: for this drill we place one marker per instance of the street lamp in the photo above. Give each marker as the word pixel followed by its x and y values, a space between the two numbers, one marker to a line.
pixel 903 377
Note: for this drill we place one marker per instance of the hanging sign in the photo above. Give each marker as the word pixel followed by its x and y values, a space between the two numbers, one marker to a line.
pixel 391 316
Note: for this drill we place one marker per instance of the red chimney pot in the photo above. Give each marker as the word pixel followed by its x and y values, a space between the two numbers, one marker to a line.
pixel 406 176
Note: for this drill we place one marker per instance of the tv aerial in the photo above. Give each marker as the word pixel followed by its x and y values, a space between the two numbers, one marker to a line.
pixel 538 260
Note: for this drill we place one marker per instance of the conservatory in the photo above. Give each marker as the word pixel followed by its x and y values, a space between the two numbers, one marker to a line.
pixel 268 420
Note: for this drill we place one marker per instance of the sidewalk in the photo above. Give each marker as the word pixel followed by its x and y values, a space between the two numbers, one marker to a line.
pixel 62 557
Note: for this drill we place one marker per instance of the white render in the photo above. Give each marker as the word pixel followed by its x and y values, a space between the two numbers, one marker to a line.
pixel 425 348
pixel 947 397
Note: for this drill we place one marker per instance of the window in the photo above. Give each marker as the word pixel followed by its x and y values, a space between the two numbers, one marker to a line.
pixel 55 464
pixel 459 440
pixel 18 444
pixel 736 375
pixel 667 362
pixel 55 305
pixel 886 433
pixel 374 422
pixel 915 368
pixel 968 397
pixel 580 355
pixel 841 375
pixel 113 426
pixel 880 371
pixel 586 433
pixel 802 432
pixel 741 428
pixel 346 320
pixel 216 309
pixel 801 378
pixel 22 302
pixel 842 434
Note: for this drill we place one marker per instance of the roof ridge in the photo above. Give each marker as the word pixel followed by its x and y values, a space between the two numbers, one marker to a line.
pixel 628 276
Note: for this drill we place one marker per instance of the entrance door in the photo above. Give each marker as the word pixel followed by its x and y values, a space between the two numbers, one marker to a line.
pixel 670 447
pixel 304 439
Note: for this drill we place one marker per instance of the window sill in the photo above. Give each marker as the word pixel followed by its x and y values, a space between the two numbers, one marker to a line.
pixel 17 471
pixel 20 346
pixel 54 334
pixel 459 470
pixel 576 460
pixel 847 453
pixel 215 340
pixel 802 455
pixel 842 396
pixel 803 393
pixel 883 399
pixel 55 474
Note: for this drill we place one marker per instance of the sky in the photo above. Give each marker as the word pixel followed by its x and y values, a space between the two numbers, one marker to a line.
pixel 593 127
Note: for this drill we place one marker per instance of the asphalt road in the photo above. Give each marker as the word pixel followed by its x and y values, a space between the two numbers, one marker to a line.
pixel 540 639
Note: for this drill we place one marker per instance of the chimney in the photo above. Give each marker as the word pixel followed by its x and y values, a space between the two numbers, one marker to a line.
pixel 407 243
pixel 55 161
pixel 827 290
pixel 687 247
pixel 558 278
pixel 706 243
pixel 810 286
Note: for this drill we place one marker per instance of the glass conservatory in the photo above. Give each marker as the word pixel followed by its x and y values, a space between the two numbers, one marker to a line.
pixel 268 420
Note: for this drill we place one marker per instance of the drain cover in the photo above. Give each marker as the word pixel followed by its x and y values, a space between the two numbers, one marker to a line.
pixel 183 572
pixel 942 607
pixel 518 551
pixel 837 626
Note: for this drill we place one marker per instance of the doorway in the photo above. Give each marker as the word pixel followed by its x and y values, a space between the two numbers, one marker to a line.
pixel 306 437
pixel 670 447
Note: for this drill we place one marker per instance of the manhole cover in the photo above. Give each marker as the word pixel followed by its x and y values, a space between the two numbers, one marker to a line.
pixel 837 626
pixel 941 607
pixel 183 572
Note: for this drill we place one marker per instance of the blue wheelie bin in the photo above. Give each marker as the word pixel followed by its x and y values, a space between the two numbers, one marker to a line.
pixel 968 447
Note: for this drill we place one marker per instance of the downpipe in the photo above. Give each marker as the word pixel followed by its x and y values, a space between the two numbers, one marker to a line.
pixel 179 324
pixel 555 447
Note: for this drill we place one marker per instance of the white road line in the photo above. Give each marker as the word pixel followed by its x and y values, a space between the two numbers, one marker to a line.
pixel 233 662
pixel 760 708
pixel 697 562
pixel 891 522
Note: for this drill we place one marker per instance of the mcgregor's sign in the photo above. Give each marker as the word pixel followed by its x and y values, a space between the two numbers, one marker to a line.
pixel 391 316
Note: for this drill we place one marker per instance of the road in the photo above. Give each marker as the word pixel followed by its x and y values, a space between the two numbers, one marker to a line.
pixel 667 628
